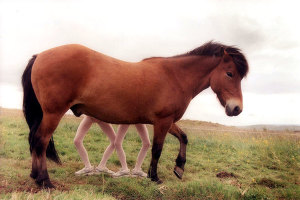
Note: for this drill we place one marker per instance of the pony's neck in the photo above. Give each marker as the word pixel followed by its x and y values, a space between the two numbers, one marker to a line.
pixel 192 72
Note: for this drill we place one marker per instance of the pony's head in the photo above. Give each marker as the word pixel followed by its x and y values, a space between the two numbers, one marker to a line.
pixel 226 79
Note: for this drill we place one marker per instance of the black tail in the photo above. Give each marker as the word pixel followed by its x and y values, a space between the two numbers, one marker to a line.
pixel 33 113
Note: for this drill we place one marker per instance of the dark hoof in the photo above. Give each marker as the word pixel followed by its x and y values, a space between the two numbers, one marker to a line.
pixel 48 185
pixel 33 175
pixel 156 180
pixel 178 172
pixel 39 182
pixel 45 184
pixel 159 181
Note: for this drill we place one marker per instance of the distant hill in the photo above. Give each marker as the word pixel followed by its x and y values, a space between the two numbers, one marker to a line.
pixel 193 124
pixel 271 127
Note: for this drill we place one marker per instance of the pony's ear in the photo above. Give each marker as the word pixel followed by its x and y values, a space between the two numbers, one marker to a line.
pixel 226 56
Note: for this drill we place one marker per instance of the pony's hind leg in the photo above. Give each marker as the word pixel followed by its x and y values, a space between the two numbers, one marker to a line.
pixel 34 169
pixel 41 141
pixel 181 158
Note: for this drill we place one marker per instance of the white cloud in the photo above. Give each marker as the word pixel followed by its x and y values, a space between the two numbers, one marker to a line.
pixel 10 96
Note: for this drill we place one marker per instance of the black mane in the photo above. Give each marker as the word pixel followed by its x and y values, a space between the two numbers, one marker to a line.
pixel 217 49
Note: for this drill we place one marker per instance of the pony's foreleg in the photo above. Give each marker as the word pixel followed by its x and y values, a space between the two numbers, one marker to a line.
pixel 181 158
pixel 41 140
pixel 160 131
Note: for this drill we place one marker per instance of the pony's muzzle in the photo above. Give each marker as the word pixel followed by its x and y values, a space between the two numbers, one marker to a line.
pixel 233 108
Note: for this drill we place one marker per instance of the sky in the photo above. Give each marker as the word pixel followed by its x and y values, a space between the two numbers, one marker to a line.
pixel 266 31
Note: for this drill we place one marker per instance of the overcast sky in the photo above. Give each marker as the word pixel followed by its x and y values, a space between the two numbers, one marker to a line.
pixel 267 32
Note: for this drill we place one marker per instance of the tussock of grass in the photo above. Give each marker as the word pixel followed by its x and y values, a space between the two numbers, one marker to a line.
pixel 132 188
pixel 265 165
pixel 205 189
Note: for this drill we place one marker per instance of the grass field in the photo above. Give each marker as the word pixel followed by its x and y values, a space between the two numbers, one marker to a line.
pixel 250 164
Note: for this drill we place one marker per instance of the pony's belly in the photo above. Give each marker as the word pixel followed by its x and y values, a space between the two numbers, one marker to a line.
pixel 117 119
pixel 110 115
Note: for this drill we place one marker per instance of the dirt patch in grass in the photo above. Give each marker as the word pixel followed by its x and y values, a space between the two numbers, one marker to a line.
pixel 270 183
pixel 24 186
pixel 224 174
pixel 228 178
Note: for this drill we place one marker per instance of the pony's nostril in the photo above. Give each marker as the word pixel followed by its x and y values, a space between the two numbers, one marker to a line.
pixel 236 109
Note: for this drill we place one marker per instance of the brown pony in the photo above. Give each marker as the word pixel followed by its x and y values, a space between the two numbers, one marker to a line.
pixel 153 91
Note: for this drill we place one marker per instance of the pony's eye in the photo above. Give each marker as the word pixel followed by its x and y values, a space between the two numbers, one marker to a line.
pixel 229 74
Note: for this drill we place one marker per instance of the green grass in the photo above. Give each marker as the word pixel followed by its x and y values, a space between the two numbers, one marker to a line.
pixel 266 165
